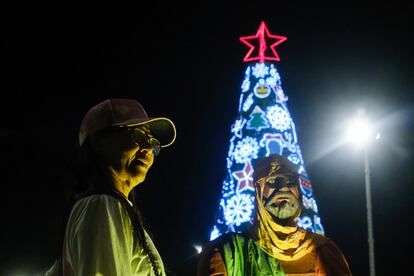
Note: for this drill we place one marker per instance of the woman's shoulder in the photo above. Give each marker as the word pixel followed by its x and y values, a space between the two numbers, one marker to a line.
pixel 97 210
pixel 96 200
pixel 98 205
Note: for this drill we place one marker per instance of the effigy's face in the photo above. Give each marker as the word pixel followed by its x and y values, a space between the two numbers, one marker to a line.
pixel 280 191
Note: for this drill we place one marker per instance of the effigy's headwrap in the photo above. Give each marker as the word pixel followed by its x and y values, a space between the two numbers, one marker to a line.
pixel 285 243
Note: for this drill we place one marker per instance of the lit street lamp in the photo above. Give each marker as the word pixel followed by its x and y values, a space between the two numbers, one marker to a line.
pixel 360 133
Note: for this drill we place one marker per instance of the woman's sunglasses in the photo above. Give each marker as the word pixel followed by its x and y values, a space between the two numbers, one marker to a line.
pixel 141 138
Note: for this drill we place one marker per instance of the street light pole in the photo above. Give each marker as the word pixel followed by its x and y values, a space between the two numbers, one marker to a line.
pixel 369 213
pixel 360 132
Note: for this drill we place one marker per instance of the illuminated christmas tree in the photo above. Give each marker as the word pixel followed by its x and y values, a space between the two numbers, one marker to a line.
pixel 263 126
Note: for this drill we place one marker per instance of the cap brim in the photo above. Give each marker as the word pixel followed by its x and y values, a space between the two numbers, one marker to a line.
pixel 162 128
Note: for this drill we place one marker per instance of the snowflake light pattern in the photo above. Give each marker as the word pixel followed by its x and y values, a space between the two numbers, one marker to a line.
pixel 260 70
pixel 245 150
pixel 278 118
pixel 238 209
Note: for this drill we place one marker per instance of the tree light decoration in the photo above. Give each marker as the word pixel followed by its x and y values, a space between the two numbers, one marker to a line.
pixel 261 35
pixel 263 126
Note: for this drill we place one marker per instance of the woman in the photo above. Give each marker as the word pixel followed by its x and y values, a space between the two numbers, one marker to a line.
pixel 104 234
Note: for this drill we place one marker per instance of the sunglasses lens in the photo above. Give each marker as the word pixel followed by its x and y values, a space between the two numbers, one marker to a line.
pixel 155 145
pixel 141 138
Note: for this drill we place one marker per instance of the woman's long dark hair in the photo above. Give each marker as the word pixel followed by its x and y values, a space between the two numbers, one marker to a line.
pixel 84 176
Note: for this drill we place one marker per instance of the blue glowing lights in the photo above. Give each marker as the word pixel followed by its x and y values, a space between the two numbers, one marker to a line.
pixel 263 126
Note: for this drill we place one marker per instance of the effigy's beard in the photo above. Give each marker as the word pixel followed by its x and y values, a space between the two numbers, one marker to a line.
pixel 280 238
pixel 283 210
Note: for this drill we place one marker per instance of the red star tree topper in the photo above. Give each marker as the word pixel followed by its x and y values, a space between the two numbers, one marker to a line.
pixel 261 35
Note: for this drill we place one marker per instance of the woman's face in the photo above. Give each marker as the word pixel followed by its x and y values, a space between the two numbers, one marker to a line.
pixel 126 158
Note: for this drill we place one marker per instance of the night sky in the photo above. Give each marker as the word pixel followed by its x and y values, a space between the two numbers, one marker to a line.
pixel 185 62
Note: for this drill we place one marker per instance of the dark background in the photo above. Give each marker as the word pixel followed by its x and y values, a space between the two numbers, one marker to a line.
pixel 184 61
